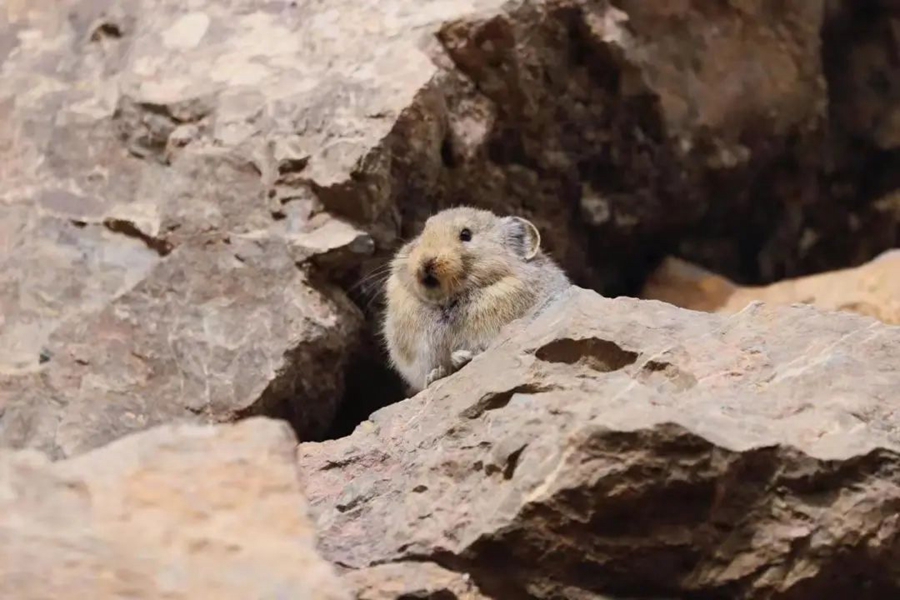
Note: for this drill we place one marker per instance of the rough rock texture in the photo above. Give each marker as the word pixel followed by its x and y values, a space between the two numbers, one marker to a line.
pixel 188 189
pixel 211 336
pixel 872 289
pixel 178 512
pixel 632 448
pixel 408 581
pixel 146 276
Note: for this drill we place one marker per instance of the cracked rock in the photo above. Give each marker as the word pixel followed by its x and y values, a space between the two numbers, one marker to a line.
pixel 136 134
pixel 209 335
pixel 635 449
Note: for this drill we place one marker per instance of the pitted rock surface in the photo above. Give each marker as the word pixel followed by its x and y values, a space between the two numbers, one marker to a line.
pixel 630 447
pixel 188 189
pixel 150 271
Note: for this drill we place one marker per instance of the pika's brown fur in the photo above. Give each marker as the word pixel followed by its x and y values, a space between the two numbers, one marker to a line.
pixel 453 288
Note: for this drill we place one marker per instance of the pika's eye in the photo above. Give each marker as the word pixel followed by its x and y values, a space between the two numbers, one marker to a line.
pixel 465 235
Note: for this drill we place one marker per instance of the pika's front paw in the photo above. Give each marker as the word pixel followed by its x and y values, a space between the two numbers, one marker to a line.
pixel 461 358
pixel 435 374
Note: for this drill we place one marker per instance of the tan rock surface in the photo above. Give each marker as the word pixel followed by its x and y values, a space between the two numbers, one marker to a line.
pixel 633 448
pixel 872 289
pixel 401 581
pixel 175 512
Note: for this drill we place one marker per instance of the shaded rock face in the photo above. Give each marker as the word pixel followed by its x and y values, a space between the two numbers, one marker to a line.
pixel 176 512
pixel 866 74
pixel 861 41
pixel 632 448
pixel 600 123
pixel 872 289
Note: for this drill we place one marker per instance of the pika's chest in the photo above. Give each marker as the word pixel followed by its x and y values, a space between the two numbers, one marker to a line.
pixel 447 316
pixel 443 327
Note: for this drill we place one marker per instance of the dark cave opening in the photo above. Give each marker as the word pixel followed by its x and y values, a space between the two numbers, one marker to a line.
pixel 370 384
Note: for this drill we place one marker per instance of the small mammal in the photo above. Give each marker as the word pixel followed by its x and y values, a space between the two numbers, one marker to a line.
pixel 451 290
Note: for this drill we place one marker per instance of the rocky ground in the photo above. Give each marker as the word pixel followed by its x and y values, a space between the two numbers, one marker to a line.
pixel 196 203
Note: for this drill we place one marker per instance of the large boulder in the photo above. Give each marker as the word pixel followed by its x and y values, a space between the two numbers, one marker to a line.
pixel 178 512
pixel 636 449
pixel 616 127
pixel 212 335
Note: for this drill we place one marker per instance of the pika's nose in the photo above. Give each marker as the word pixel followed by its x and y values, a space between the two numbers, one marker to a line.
pixel 426 275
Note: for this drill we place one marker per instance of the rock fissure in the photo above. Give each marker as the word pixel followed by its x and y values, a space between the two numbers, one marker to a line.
pixel 160 246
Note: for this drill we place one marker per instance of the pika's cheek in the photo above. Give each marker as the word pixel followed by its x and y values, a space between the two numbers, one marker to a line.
pixel 491 266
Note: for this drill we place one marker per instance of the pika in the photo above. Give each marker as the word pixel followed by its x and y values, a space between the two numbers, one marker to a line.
pixel 452 289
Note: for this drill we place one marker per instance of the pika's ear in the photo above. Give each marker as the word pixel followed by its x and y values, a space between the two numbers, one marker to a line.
pixel 524 237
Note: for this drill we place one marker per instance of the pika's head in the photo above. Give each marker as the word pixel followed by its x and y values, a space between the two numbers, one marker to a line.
pixel 462 249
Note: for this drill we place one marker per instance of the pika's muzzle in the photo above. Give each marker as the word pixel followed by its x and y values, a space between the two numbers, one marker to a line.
pixel 427 276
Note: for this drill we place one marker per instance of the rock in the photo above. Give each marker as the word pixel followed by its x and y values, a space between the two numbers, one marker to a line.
pixel 632 448
pixel 872 289
pixel 401 581
pixel 610 131
pixel 860 45
pixel 148 358
pixel 212 334
pixel 146 275
pixel 176 512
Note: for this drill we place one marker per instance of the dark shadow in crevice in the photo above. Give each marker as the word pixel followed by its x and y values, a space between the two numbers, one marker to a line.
pixel 370 384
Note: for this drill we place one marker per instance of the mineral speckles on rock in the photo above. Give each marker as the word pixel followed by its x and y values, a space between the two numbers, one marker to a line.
pixel 698 465
pixel 53 269
pixel 181 183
